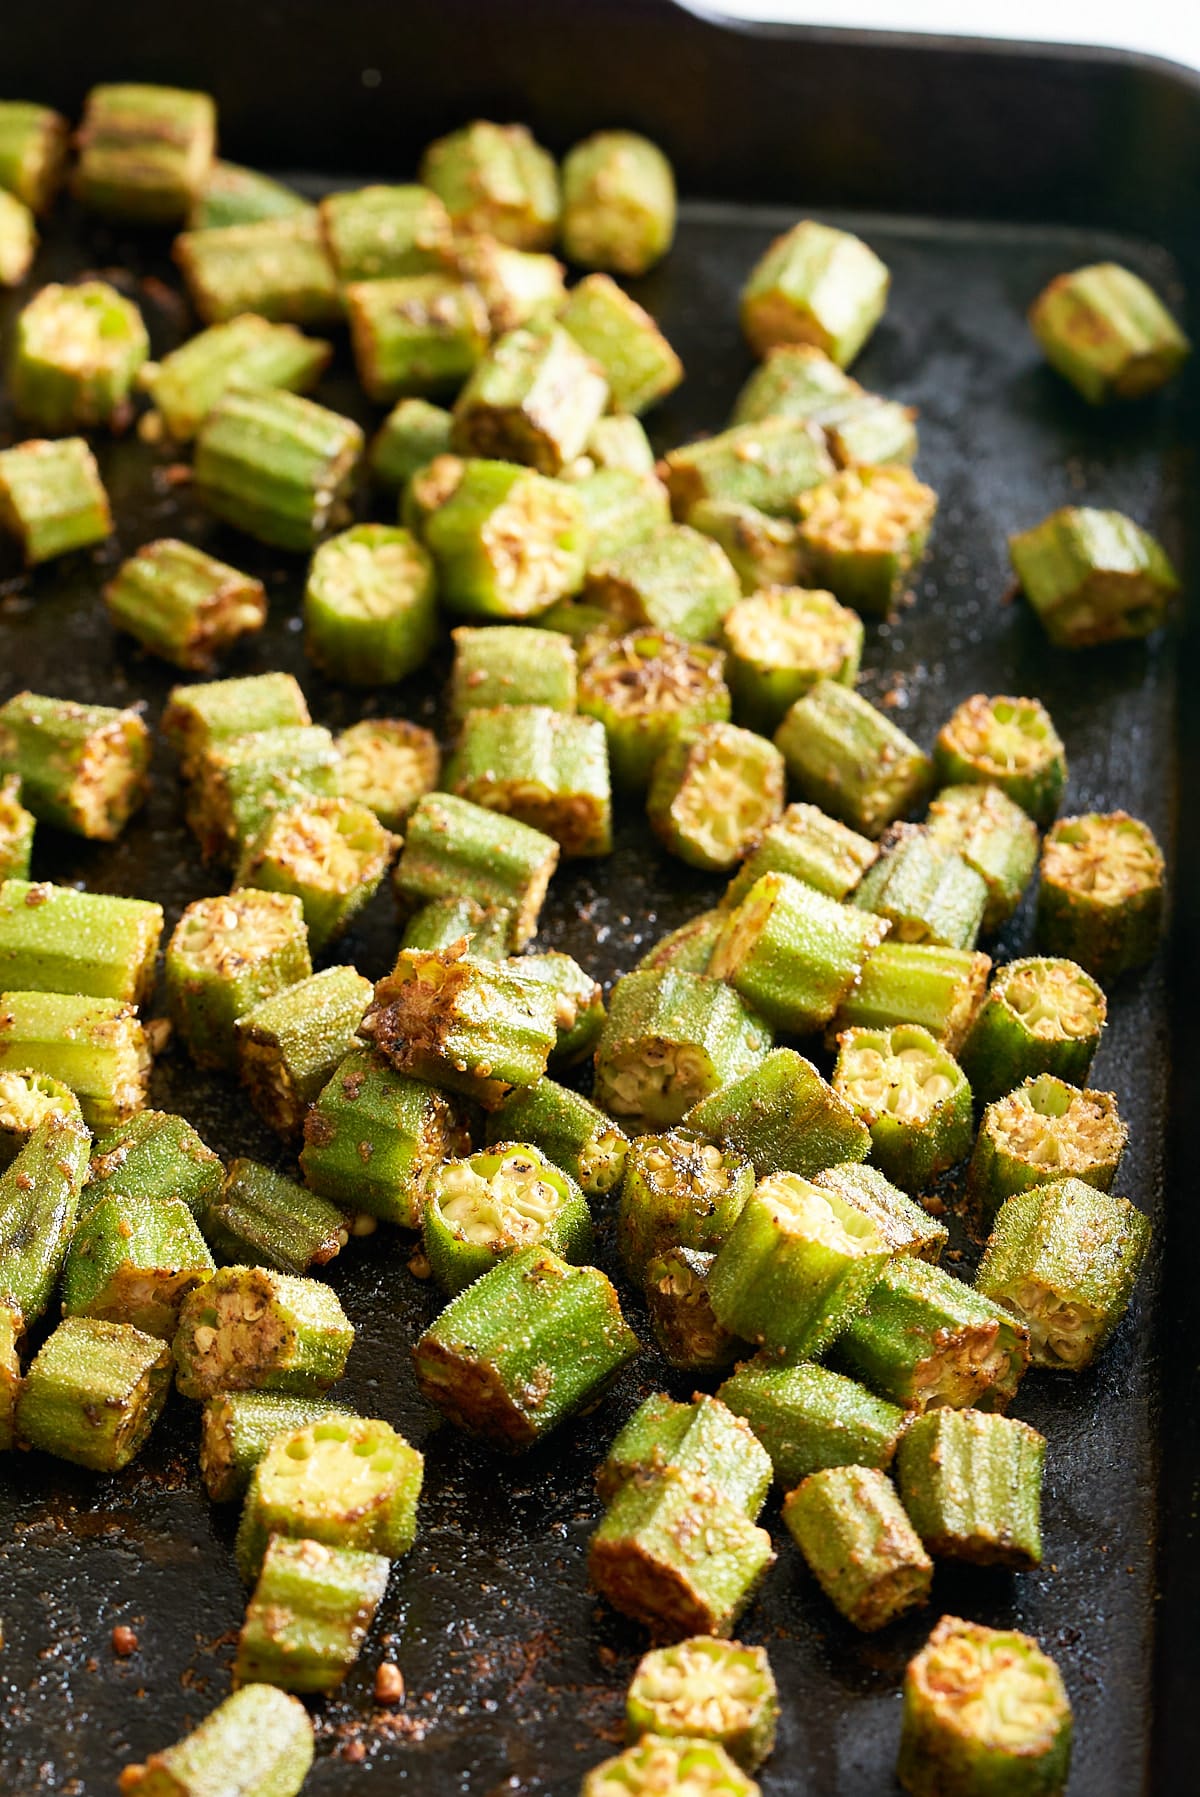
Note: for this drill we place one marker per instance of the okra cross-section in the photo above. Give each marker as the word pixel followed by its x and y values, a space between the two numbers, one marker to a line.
pixel 713 791
pixel 261 1218
pixel 134 1259
pixel 144 151
pixel 547 768
pixel 912 1096
pixel 862 534
pixel 706 1690
pixel 369 605
pixel 387 764
pixel 847 757
pixel 768 465
pixel 685 1326
pixel 496 179
pixel 783 1117
pixel 247 351
pixel 1009 743
pixel 94 1045
pixel 57 939
pixel 52 499
pixel 792 953
pixel 330 853
pixel 972 1484
pixel 507 541
pixel 415 334
pixel 914 982
pixel 261 1732
pixel 275 268
pixel 225 956
pixel 276 466
pixel 643 687
pixel 1041 1015
pixel 1107 332
pixel 81 767
pixel 1100 899
pixel 927 893
pixel 309 1615
pixel 669 1039
pixel 155 1155
pixel 860 1546
pixel 569 1129
pixel 249 1329
pixel 289 1045
pixel 810 846
pixel 673 580
pixel 780 641
pixel 1093 577
pixel 26 1098
pixel 39 1201
pixel 808 1417
pixel 453 849
pixel 621 337
pixel 184 605
pixel 74 358
pixel 816 285
pixel 237 1428
pixel 532 398
pixel 477 1212
pixel 17 826
pixel 618 202
pixel 701 1768
pixel 678 1192
pixel 992 834
pixel 904 1224
pixel 93 1393
pixel 1045 1130
pixel 510 664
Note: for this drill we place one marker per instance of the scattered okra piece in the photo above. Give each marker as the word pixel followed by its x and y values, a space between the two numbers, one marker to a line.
pixel 1093 577
pixel 16 831
pixel 637 361
pixel 133 1259
pixel 510 664
pixel 569 1130
pixel 816 285
pixel 289 1044
pixel 199 718
pixel 34 141
pixel 249 1329
pixel 94 1045
pixel 415 334
pixel 1045 1131
pixel 798 380
pixel 144 151
pixel 619 440
pixel 673 580
pixel 1108 333
pixel 243 781
pixel 579 1004
pixel 376 232
pixel 260 1735
pixel 39 1202
pixel 58 939
pixel 782 640
pixel 480 1211
pixel 25 1099
pixel 685 1327
pixel 225 956
pixel 155 1156
pixel 1041 1015
pixel 646 1442
pixel 783 1117
pixel 369 605
pixel 93 1392
pixel 81 767
pixel 678 1192
pixel 811 847
pixel 992 834
pixel 619 508
pixel 1100 898
pixel 706 1690
pixel 507 541
pixel 184 605
pixel 52 499
pixel 661 1763
pixel 18 240
pixel 644 687
pixel 669 1039
pixel 277 268
pixel 688 949
pixel 912 1096
pixel 309 1615
pixel 532 398
pixel 387 764
pixel 246 351
pixel 768 465
pixel 704 1441
pixel 276 465
pixel 863 532
pixel 913 982
pixel 453 848
pixel 264 1220
pixel 927 893
pixel 713 790
pixel 763 551
pixel 847 757
pixel 329 853
pixel 1009 743
pixel 618 203
pixel 972 1483
pixel 546 768
pixel 808 1417
pixel 233 195
pixel 74 357
pixel 412 434
pixel 517 286
pixel 440 922
pixel 496 179
pixel 859 1544
pixel 237 1428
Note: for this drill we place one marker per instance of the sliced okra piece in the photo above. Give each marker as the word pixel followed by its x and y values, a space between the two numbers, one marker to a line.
pixel 972 1484
pixel 669 1039
pixel 376 232
pixel 816 285
pixel 225 956
pixel 237 1428
pixel 685 1326
pixel 75 354
pixel 453 848
pixel 16 831
pixel 344 1480
pixel 369 605
pixel 991 833
pixel 1100 898
pixel 1041 1015
pixel 96 1046
pixel 912 1096
pixel 673 580
pixel 276 465
pixel 569 1130
pixel 289 1045
pixel 532 398
pixel 429 488
pixel 913 982
pixel 768 465
pixel 1093 577
pixel 863 532
pixel 246 351
pixel 1045 1131
pixel 983 1709
pixel 58 939
pixel 26 1098
pixel 133 1259
pixel 18 240
pixel 645 1443
pixel 619 508
pixel 199 718
pixel 144 151
pixel 233 195
pixel 261 1219
pixel 904 1225
pixel 510 664
pixel 518 287
pixel 873 433
pixel 669 1763
pixel 811 847
pixel 1108 333
pixel 926 1340
pixel 779 642
pixel 546 768
pixel 678 1192
pixel 523 1347
pixel 387 764
pixel 926 892
pixel 249 1329
pixel 34 142
pixel 440 922
pixel 618 202
pixel 10 1374
pixel 330 853
pixel 415 334
pixel 277 268
pixel 496 179
pixel 704 1441
pixel 262 1733
pixel 638 363
pixel 713 790
pixel 507 541
pixel 706 1690
pixel 798 380
pixel 688 949
pixel 52 499
pixel 151 1157
pixel 93 1392
pixel 412 434
pixel 242 782
pixel 847 757
pixel 859 1544
pixel 579 1004
pixel 792 953
pixel 645 686
pixel 808 1417
pixel 763 551
pixel 39 1202
pixel 1009 743
pixel 619 440
pixel 309 1615
pixel 81 767
pixel 482 1210
pixel 1065 1259
pixel 184 605
pixel 783 1117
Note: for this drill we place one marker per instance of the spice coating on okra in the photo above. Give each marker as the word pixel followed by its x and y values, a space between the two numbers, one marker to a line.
pixel 578 1004
pixel 1041 1015
pixel 52 499
pixel 972 1483
pixel 688 949
pixel 94 1045
pixel 39 1202
pixel 702 1441
pixel 620 508
pixel 532 398
pixel 706 1690
pixel 912 1096
pixel 1045 1131
pixel 1108 333
pixel 912 982
pixel 276 268
pixel 507 541
pixel 233 195
pixel 184 605
pixel 288 1045
pixel 415 334
pixel 370 606
pixel 517 286
pixel 277 466
pixel 1100 899
pixel 412 434
pixel 769 465
pixel 926 892
pixel 645 1443
pixel 16 831
pixel 33 152
pixel 694 1768
pixel 858 1543
pixel 453 849
pixel 496 179
pixel 808 1417
pixel 678 1192
pixel 1093 577
pixel 269 1221
pixel 387 764
pixel 1009 743
pixel 815 285
pixel 780 641
pixel 905 1225
pixel 685 1326
pixel 439 923
pixel 93 1393
pixel 134 1259
pixel 329 853
pixel 57 939
pixel 546 768
pixel 863 532
pixel 644 687
pixel 713 790
pixel 621 337
pixel 477 1212
pixel 144 151
pixel 763 551
pixel 197 718
pixel 510 664
pixel 376 232
pixel 237 1428
pixel 847 757
pixel 669 1039
pixel 249 1329
pixel 81 767
pixel 569 1129
pixel 246 351
pixel 225 956
pixel 812 847
pixel 783 1117
pixel 155 1155
pixel 74 358
pixel 992 834
pixel 262 1731
pixel 673 580
pixel 309 1614
pixel 618 203
pixel 25 1099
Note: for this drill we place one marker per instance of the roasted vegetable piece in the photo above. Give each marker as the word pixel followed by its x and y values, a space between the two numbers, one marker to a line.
pixel 848 758
pixel 93 1392
pixel 678 1192
pixel 507 541
pixel 768 465
pixel 263 1219
pixel 233 195
pixel 387 764
pixel 74 357
pixel 782 640
pixel 1009 743
pixel 810 846
pixel 58 939
pixel 510 664
pixel 905 1225
pixel 669 1039
pixel 244 781
pixel 369 605
pixel 225 956
pixel 94 1045
pixel 1045 1131
pixel 439 923
pixel 706 1690
pixel 33 152
pixel 926 892
pixel 39 1201
pixel 912 1096
pixel 18 240
pixel 1100 900
pixel 453 848
pixel 863 532
pixel 249 1329
pixel 246 351
pixel 16 831
pixel 704 1441
pixel 412 434
pixel 972 1483
pixel 329 853
pixel 783 1117
pixel 1041 1015
pixel 619 440
pixel 687 949
pixel 792 953
pixel 480 1211
pixel 714 789
pixel 1093 577
pixel 569 1130
pixel 276 268
pixel 673 580
pixel 415 334
pixel 992 834
pixel 644 687
pixel 517 286
pixel 808 1417
pixel 27 1098
pixel 578 1000
pixel 619 508
pixel 237 1428
pixel 815 285
pixel 374 232
pixel 153 1156
pixel 532 398
pixel 198 718
pixel 81 767
pixel 685 1327
pixel 546 768
pixel 646 1442
pixel 10 1368
pixel 701 1768
pixel 288 1045
pixel 798 380
pixel 618 203
pixel 184 605
pixel 133 1259
pixel 52 499
pixel 763 551
pixel 144 152
pixel 1108 333
pixel 309 1615
pixel 913 982
pixel 276 466
pixel 859 1545
pixel 496 179
pixel 621 337
pixel 258 1743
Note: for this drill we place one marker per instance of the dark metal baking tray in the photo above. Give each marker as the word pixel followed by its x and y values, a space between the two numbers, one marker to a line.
pixel 978 171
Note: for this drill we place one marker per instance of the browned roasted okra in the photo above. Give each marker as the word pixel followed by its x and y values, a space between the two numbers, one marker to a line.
pixel 675 579
pixel 847 757
pixel 618 202
pixel 1041 1015
pixel 713 791
pixel 225 956
pixel 496 179
pixel 781 640
pixel 792 953
pixel 1045 1131
pixel 184 605
pixel 816 285
pixel 387 764
pixel 638 363
pixel 1100 900
pixel 863 532
pixel 546 768
pixel 860 1545
pixel 288 1045
pixel 82 767
pixel 670 1038
pixel 532 398
pixel 1009 743
pixel 330 853
pixel 645 686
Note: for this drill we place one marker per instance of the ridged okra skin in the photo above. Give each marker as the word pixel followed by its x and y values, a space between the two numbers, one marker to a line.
pixel 52 499
pixel 1100 897
pixel 376 232
pixel 263 1732
pixel 845 756
pixel 237 1428
pixel 673 580
pixel 75 354
pixel 276 465
pixel 510 664
pixel 862 534
pixel 10 1374
pixel 507 541
pixel 638 363
pixel 706 1690
pixel 781 640
pixel 518 287
pixel 533 398
pixel 859 1544
pixel 815 285
pixel 569 1129
pixel 134 1259
pixel 57 939
pixel 783 1117
pixel 1044 1131
pixel 289 1045
pixel 645 1443
pixel 93 1392
pixel 619 507
pixel 808 1417
pixel 415 334
pixel 661 1763
pixel 412 434
pixel 798 380
pixel 453 848
pixel 523 1347
pixel 387 764
pixel 578 1004
pixel 17 827
pixel 768 465
pixel 248 1329
pixel 309 1615
pixel 482 1210
pixel 18 240
pixel 618 203
pixel 763 551
pixel 331 854
pixel 276 268
pixel 991 833
pixel 496 179
pixel 669 1039
pixel 675 1288
pixel 913 982
pixel 810 846
pixel 439 923
pixel 1108 333
pixel 703 1441
pixel 619 441
pixel 912 1096
pixel 1065 1258
pixel 144 151
pixel 687 949
pixel 33 152
pixel 926 892
pixel 793 954
pixel 972 1484
pixel 39 1201
pixel 905 1225
pixel 984 1710
pixel 1009 743
pixel 155 1155
pixel 199 718
pixel 644 687
pixel 184 605
pixel 96 1046
pixel 678 1192
pixel 26 1098
pixel 226 955
pixel 233 195
pixel 81 767
pixel 546 768
pixel 1041 1015
pixel 713 790
pixel 369 605
pixel 246 351
pixel 1093 577
pixel 243 781
pixel 265 1220
pixel 926 1340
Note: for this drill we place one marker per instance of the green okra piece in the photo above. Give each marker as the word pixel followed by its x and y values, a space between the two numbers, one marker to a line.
pixel 34 141
pixel 16 831
pixel 1041 1015
pixel 498 180
pixel 57 939
pixel 706 1690
pixel 619 440
pixel 768 465
pixel 93 1392
pixel 276 466
pixel 808 1417
pixel 926 1340
pixel 276 268
pixel 440 922
pixel 10 1374
pixel 783 1117
pixel 792 953
pixel 75 354
pixel 1065 1258
pixel 913 1097
pixel 199 718
pixel 570 1130
pixel 646 1442
pixel 972 1484
pixel 905 1225
pixel 387 764
pixel 245 351
pixel 673 580
pixel 798 380
pixel 477 1027
pixel 96 1046
pixel 797 1264
pixel 482 1210
pixel 412 434
pixel 638 363
pixel 309 1615
pixel 330 853
pixel 685 1327
pixel 984 1710
pixel 184 605
pixel 713 790
pixel 863 533
pixel 251 1329
pixel 237 1428
pixel 926 892
pixel 133 1259
pixel 510 664
pixel 619 508
pixel 373 233
pixel 579 1004
pixel 1045 1131
pixel 811 847
pixel 678 1192
pixel 704 1441
pixel 289 1045
pixel 39 1201
pixel 225 956
pixel 429 488
pixel 661 1763
pixel 859 1544
pixel 669 1039
pixel 26 1098
pixel 151 1157
pixel 523 1347
pixel 913 982
pixel 243 781
pixel 546 768
pixel 816 285
pixel 144 151
pixel 233 195
pixel 1100 897
pixel 1093 577
pixel 644 687
pixel 52 499
pixel 991 833
pixel 1009 743
pixel 517 286
pixel 260 1737
pixel 779 642
pixel 415 334
pixel 81 767
pixel 688 949
pixel 763 551
pixel 532 398
pixel 1108 333
pixel 18 240
pixel 847 757
pixel 261 1219
pixel 618 203
pixel 507 542
pixel 453 848
pixel 873 433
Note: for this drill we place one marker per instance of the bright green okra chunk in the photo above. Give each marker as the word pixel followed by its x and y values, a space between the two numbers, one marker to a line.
pixel 847 757
pixel 330 853
pixel 638 363
pixel 412 434
pixel 261 1219
pixel 277 268
pixel 1100 897
pixel 245 351
pixel 18 240
pixel 374 233
pixel 57 939
pixel 905 1225
pixel 309 1615
pixel 863 533
pixel 155 1156
pixel 482 1210
pixel 984 1710
pixel 619 508
pixel 233 195
pixel 546 768
pixel 237 1428
pixel 808 1417
pixel 251 1329
pixel 701 1768
pixel 1041 1015
pixel 26 1098
pixel 792 953
pixel 713 791
pixel 618 203
pixel 678 1192
pixel 798 380
pixel 93 1393
pixel 706 1690
pixel 242 782
pixel 415 334
pixel 225 956
pixel 704 1441
pixel 17 827
pixel 496 179
pixel 10 1375
pixel 1108 333
pixel 1093 577
pixel 96 1046
pixel 39 1202
pixel 199 718
pixel 646 1442
pixel 783 1117
pixel 510 664
pixel 289 1045
pixel 644 687
pixel 52 499
pixel 387 764
pixel 260 1734
pixel 74 358
pixel 811 847
pixel 619 441
pixel 524 1347
pixel 144 151
pixel 927 893
pixel 669 1039
pixel 816 285
pixel 570 1130
pixel 184 605
pixel 578 1000
pixel 688 949
pixel 913 982
pixel 859 1544
pixel 1009 743
pixel 1045 1131
pixel 763 551
pixel 133 1259
pixel 685 1326
pixel 1065 1259
pixel 507 541
pixel 768 465
pixel 277 466
pixel 533 398
pixel 972 1484
pixel 453 848
pixel 779 642
pixel 34 141
pixel 81 767
pixel 518 287
pixel 440 922
pixel 995 837
pixel 673 580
